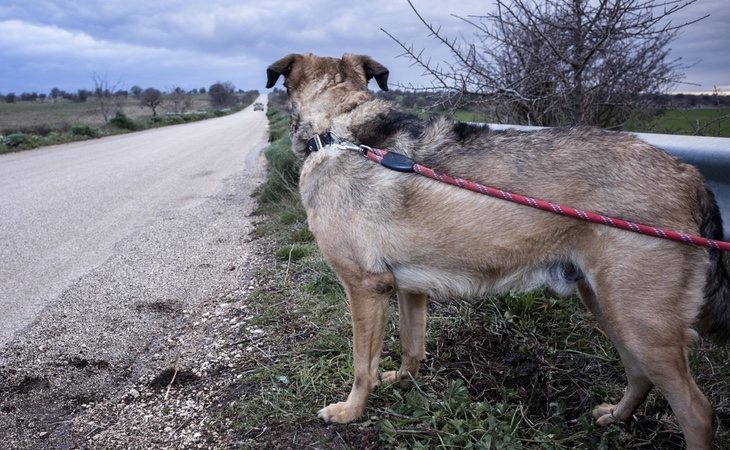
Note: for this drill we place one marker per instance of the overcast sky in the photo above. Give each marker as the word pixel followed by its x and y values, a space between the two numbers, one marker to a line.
pixel 194 43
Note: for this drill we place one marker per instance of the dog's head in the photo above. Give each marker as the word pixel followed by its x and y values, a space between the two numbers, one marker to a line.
pixel 321 88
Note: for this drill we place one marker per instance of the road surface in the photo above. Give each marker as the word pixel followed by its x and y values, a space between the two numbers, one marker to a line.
pixel 64 208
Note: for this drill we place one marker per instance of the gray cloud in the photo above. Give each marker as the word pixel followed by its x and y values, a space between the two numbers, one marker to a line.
pixel 167 43
pixel 705 45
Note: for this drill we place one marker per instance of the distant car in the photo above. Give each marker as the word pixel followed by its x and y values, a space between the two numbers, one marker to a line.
pixel 258 106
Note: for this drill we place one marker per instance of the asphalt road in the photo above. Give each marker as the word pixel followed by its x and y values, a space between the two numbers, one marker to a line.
pixel 64 208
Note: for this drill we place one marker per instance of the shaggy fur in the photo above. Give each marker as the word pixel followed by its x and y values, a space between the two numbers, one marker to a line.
pixel 382 230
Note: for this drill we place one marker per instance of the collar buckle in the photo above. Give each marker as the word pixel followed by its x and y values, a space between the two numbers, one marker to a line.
pixel 319 141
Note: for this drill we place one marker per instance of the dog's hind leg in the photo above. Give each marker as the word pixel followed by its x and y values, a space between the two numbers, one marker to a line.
pixel 412 321
pixel 651 330
pixel 368 295
pixel 638 385
pixel 668 369
pixel 672 377
pixel 637 388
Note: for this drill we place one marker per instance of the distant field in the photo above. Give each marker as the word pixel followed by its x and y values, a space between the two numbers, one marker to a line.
pixel 62 114
pixel 30 124
pixel 709 122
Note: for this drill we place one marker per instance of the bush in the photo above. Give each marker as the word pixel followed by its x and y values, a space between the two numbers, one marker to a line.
pixel 18 141
pixel 121 120
pixel 84 130
pixel 173 120
pixel 41 129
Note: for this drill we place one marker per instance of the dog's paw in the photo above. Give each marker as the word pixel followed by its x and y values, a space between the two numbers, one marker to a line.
pixel 391 376
pixel 404 379
pixel 604 415
pixel 340 412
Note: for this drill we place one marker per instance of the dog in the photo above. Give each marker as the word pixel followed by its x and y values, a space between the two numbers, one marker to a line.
pixel 383 231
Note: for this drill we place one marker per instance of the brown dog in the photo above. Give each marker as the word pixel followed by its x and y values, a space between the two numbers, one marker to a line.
pixel 382 230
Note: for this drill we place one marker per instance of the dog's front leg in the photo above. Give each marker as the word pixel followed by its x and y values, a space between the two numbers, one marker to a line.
pixel 412 321
pixel 369 305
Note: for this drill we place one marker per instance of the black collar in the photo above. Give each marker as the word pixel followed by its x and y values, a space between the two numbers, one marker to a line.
pixel 319 141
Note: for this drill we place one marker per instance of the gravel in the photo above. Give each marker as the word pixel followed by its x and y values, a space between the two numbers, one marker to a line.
pixel 143 351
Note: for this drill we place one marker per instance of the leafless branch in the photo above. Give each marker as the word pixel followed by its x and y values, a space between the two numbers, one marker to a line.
pixel 559 62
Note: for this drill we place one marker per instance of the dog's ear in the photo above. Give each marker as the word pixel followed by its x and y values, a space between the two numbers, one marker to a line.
pixel 372 68
pixel 281 67
pixel 377 70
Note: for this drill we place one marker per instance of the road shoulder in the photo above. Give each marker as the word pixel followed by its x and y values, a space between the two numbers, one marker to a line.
pixel 139 352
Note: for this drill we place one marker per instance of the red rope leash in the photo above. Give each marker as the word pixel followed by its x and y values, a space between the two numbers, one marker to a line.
pixel 405 164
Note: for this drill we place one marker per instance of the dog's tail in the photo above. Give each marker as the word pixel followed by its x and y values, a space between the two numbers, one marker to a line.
pixel 714 317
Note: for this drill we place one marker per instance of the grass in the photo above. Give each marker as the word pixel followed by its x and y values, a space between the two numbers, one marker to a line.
pixel 704 122
pixel 460 115
pixel 503 372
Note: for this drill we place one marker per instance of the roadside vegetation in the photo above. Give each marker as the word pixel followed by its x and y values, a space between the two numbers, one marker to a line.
pixel 503 372
pixel 30 120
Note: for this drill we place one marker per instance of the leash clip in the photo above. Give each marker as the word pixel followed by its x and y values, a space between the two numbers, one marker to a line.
pixel 347 146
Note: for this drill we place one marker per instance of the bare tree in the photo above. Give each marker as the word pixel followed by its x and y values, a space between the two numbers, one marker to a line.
pixel 179 101
pixel 151 98
pixel 222 94
pixel 561 62
pixel 104 95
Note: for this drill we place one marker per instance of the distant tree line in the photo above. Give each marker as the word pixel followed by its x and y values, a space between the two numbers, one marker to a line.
pixel 424 100
pixel 222 94
pixel 687 101
pixel 80 95
pixel 110 100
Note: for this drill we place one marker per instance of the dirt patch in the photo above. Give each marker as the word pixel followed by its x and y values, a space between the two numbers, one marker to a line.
pixel 26 385
pixel 317 436
pixel 160 307
pixel 171 376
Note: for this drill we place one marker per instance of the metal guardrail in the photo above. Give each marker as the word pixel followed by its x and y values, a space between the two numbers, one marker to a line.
pixel 710 154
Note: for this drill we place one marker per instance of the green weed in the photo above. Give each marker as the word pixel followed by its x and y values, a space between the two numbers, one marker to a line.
pixel 293 253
